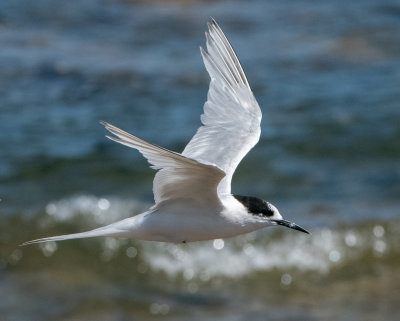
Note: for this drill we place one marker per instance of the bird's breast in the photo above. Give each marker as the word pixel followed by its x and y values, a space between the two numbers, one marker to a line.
pixel 189 225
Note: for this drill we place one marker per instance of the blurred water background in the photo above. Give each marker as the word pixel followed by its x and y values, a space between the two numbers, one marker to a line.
pixel 326 75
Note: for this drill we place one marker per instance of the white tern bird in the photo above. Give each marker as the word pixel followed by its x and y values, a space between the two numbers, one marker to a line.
pixel 192 190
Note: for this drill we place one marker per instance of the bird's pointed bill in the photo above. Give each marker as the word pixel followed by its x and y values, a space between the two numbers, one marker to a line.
pixel 291 225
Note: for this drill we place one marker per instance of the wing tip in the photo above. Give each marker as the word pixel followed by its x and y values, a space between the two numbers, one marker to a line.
pixel 213 27
pixel 223 54
pixel 213 22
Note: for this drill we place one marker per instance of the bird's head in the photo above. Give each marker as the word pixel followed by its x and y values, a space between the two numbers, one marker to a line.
pixel 265 212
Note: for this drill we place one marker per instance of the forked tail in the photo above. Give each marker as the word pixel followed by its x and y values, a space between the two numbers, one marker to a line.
pixel 102 231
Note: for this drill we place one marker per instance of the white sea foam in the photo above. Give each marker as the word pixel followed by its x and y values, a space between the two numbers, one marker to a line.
pixel 103 210
pixel 253 252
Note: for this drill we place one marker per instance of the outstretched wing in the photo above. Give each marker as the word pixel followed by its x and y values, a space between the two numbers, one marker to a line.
pixel 231 119
pixel 179 177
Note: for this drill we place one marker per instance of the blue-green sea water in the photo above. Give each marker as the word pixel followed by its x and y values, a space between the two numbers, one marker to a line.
pixel 327 77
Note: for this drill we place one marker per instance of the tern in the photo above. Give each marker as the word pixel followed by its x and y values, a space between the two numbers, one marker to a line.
pixel 192 189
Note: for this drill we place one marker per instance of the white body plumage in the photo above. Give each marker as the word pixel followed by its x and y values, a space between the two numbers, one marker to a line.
pixel 183 222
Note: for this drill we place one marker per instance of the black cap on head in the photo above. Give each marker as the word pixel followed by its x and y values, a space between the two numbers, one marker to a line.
pixel 256 206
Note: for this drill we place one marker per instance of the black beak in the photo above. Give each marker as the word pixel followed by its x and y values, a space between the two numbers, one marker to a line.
pixel 290 225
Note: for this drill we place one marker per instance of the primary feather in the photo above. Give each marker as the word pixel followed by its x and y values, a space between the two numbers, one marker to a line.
pixel 231 114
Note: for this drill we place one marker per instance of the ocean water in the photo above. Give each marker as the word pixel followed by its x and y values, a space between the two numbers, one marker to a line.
pixel 326 75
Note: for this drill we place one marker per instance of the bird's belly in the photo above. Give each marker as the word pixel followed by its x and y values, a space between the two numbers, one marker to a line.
pixel 182 228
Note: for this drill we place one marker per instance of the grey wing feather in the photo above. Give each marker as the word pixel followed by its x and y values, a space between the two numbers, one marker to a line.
pixel 231 118
pixel 179 177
